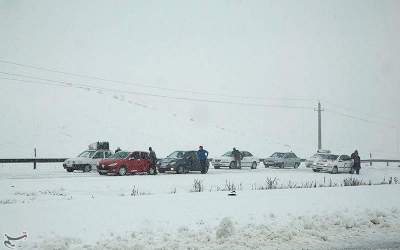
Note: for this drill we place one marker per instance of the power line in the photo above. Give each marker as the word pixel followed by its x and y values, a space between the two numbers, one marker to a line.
pixel 148 85
pixel 86 86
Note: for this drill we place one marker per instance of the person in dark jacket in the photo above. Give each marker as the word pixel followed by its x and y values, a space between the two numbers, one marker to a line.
pixel 356 162
pixel 237 156
pixel 202 155
pixel 153 159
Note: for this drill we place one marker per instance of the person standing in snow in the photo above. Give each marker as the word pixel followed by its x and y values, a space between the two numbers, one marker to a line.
pixel 202 155
pixel 153 159
pixel 238 158
pixel 356 162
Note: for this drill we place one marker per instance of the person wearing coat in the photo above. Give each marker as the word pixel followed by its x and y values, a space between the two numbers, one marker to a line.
pixel 237 157
pixel 356 162
pixel 202 155
pixel 153 159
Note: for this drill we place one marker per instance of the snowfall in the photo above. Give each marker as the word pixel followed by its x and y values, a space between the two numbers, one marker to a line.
pixel 272 209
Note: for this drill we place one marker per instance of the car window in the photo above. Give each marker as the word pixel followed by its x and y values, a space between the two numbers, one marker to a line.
pixel 248 154
pixel 144 155
pixel 345 157
pixel 98 155
pixel 293 155
pixel 135 155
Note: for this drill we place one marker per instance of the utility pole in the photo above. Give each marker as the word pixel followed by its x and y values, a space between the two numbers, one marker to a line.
pixel 319 110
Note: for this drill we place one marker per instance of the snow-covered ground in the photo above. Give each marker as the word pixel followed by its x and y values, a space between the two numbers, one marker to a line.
pixel 60 210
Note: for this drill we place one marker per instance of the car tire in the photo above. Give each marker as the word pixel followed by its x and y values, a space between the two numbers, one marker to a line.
pixel 315 170
pixel 204 171
pixel 254 165
pixel 216 167
pixel 151 171
pixel 334 170
pixel 100 173
pixel 122 171
pixel 296 165
pixel 180 170
pixel 69 170
pixel 161 171
pixel 87 168
pixel 232 165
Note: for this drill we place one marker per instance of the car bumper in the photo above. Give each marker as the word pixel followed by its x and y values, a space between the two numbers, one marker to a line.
pixel 322 169
pixel 74 166
pixel 167 168
pixel 273 164
pixel 221 164
pixel 106 170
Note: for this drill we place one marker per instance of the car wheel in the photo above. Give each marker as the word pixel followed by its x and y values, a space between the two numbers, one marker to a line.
pixel 334 170
pixel 151 171
pixel 216 167
pixel 122 171
pixel 296 165
pixel 161 171
pixel 87 168
pixel 69 170
pixel 232 165
pixel 254 165
pixel 282 165
pixel 315 170
pixel 180 170
pixel 102 173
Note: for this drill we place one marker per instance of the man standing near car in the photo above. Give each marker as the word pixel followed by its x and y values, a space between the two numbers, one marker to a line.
pixel 356 162
pixel 237 156
pixel 202 155
pixel 153 159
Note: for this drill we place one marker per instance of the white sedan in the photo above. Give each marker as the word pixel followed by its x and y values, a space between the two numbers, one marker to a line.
pixel 333 164
pixel 227 160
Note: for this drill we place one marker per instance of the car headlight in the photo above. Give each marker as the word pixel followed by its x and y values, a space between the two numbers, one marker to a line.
pixel 113 164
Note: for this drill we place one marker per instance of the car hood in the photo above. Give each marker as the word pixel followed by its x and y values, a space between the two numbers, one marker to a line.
pixel 169 160
pixel 78 160
pixel 273 159
pixel 324 161
pixel 109 161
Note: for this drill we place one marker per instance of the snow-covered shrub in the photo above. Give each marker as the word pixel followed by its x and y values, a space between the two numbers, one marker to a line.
pixel 197 185
pixel 225 229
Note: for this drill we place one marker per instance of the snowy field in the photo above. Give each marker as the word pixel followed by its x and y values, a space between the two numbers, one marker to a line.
pixel 60 210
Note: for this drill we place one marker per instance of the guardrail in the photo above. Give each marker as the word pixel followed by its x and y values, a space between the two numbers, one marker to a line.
pixel 25 160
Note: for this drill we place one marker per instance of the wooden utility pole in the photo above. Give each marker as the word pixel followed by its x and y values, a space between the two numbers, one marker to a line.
pixel 319 110
pixel 34 159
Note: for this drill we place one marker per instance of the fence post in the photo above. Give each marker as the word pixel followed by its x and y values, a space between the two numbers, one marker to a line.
pixel 370 157
pixel 34 159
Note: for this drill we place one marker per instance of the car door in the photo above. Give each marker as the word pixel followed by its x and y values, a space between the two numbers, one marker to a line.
pixel 287 161
pixel 194 161
pixel 347 163
pixel 99 155
pixel 133 164
pixel 246 161
pixel 144 161
pixel 341 163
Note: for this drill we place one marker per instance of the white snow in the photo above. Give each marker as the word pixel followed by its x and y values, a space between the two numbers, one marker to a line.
pixel 60 210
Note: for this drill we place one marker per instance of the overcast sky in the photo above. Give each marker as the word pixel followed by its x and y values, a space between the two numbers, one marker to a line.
pixel 287 53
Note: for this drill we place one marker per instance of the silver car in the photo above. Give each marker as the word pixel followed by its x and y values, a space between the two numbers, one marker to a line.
pixel 282 160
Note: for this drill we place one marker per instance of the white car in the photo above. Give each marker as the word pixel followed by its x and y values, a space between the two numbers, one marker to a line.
pixel 309 162
pixel 227 160
pixel 88 159
pixel 332 163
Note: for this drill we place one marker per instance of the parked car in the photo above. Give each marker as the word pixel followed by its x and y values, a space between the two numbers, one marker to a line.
pixel 227 160
pixel 88 159
pixel 124 162
pixel 282 160
pixel 182 162
pixel 333 164
pixel 309 162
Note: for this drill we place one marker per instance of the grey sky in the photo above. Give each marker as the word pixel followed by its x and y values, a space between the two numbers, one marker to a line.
pixel 344 53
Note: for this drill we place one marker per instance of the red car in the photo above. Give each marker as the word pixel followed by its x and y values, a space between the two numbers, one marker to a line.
pixel 124 162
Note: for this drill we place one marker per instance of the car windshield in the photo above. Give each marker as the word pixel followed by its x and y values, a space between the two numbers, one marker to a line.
pixel 229 154
pixel 120 155
pixel 176 154
pixel 87 154
pixel 328 157
pixel 278 155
